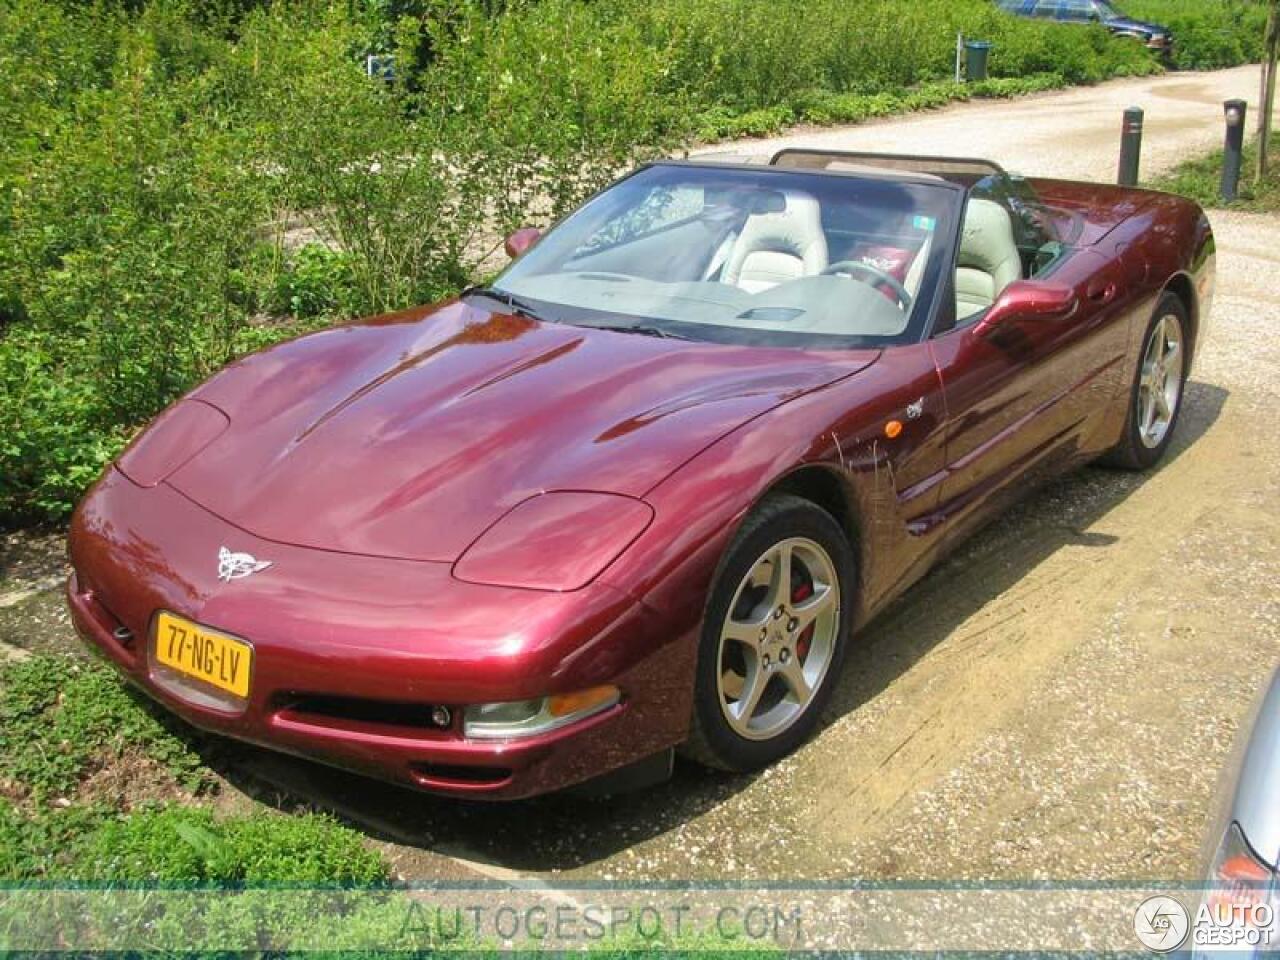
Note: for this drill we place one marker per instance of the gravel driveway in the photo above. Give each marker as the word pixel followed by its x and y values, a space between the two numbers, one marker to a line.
pixel 1072 133
pixel 1053 702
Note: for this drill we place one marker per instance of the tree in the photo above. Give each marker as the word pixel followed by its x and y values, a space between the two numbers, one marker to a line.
pixel 1271 54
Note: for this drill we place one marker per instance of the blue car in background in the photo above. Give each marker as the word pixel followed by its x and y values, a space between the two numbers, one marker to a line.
pixel 1101 12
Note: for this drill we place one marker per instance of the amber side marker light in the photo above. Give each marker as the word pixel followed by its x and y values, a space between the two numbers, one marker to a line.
pixel 584 701
pixel 892 428
pixel 526 718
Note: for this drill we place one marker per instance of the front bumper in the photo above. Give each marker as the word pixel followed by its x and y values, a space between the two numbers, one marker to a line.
pixel 332 628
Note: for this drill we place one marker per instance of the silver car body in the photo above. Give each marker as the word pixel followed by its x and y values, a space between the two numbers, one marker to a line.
pixel 1255 804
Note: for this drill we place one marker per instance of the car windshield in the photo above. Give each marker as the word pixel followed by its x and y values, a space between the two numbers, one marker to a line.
pixel 749 256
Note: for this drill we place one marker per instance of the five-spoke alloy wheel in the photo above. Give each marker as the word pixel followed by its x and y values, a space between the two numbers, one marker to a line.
pixel 774 636
pixel 1159 382
pixel 777 641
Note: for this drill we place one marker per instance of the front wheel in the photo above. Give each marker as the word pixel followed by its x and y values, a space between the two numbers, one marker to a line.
pixel 1156 395
pixel 774 635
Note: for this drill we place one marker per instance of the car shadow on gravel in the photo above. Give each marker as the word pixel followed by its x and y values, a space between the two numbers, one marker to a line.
pixel 1053 515
pixel 567 831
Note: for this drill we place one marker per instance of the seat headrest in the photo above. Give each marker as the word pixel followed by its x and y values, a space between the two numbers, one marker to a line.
pixel 986 242
pixel 795 230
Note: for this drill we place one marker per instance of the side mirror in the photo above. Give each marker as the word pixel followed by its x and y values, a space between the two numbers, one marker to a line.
pixel 521 240
pixel 1028 300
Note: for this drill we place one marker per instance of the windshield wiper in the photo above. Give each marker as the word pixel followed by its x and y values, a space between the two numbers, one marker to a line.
pixel 513 303
pixel 640 328
pixel 520 308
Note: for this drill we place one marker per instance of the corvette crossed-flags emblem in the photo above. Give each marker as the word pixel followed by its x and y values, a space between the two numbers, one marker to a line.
pixel 234 566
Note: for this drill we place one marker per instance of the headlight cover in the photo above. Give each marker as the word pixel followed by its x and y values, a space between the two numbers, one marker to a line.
pixel 173 438
pixel 557 541
pixel 527 718
pixel 1241 900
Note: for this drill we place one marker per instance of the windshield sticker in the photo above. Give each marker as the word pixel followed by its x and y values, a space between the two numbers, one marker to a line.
pixel 924 223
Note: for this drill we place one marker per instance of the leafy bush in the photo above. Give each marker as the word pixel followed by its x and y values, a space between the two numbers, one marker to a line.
pixel 52 442
pixel 746 56
pixel 1206 34
pixel 317 281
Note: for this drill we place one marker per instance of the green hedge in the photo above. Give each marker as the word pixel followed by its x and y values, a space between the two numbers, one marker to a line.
pixel 1207 35
pixel 183 181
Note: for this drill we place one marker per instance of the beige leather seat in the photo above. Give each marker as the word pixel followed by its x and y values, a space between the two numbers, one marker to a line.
pixel 988 260
pixel 778 246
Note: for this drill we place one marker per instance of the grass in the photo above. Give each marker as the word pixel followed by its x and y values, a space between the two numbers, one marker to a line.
pixel 97 786
pixel 189 845
pixel 176 844
pixel 65 722
pixel 64 719
pixel 1200 178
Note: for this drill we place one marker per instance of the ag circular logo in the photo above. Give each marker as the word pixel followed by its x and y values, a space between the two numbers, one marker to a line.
pixel 1161 923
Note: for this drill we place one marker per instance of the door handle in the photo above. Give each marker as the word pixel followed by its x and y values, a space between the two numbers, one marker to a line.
pixel 1102 293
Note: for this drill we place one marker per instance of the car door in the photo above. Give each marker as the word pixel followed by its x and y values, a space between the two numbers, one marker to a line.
pixel 1021 395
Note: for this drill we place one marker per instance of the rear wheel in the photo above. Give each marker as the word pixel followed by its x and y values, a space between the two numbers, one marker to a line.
pixel 1156 395
pixel 774 635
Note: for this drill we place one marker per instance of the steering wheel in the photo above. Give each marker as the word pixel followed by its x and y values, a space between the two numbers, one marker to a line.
pixel 879 276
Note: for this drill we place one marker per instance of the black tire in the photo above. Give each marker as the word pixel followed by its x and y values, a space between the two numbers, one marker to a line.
pixel 780 517
pixel 1132 453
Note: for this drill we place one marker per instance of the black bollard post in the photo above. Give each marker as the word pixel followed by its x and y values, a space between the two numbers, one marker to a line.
pixel 1231 154
pixel 1130 147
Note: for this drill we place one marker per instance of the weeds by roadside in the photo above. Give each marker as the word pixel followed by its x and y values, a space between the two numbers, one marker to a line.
pixel 169 844
pixel 824 108
pixel 64 723
pixel 64 719
pixel 172 844
pixel 1200 178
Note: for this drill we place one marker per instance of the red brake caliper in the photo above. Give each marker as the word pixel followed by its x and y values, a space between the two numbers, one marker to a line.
pixel 801 592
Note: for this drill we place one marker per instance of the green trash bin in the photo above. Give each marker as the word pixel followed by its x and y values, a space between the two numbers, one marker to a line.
pixel 976 53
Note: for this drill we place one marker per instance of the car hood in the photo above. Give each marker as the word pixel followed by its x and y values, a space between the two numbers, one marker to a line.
pixel 1129 23
pixel 408 435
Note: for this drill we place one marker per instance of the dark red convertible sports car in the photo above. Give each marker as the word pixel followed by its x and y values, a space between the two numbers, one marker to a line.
pixel 642 491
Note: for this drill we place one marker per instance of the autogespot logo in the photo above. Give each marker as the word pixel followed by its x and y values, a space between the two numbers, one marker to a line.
pixel 1161 923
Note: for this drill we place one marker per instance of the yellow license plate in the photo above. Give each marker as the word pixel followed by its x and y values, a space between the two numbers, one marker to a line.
pixel 197 651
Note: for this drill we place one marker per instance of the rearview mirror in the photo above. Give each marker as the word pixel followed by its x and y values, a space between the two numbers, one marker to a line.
pixel 521 240
pixel 1028 300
